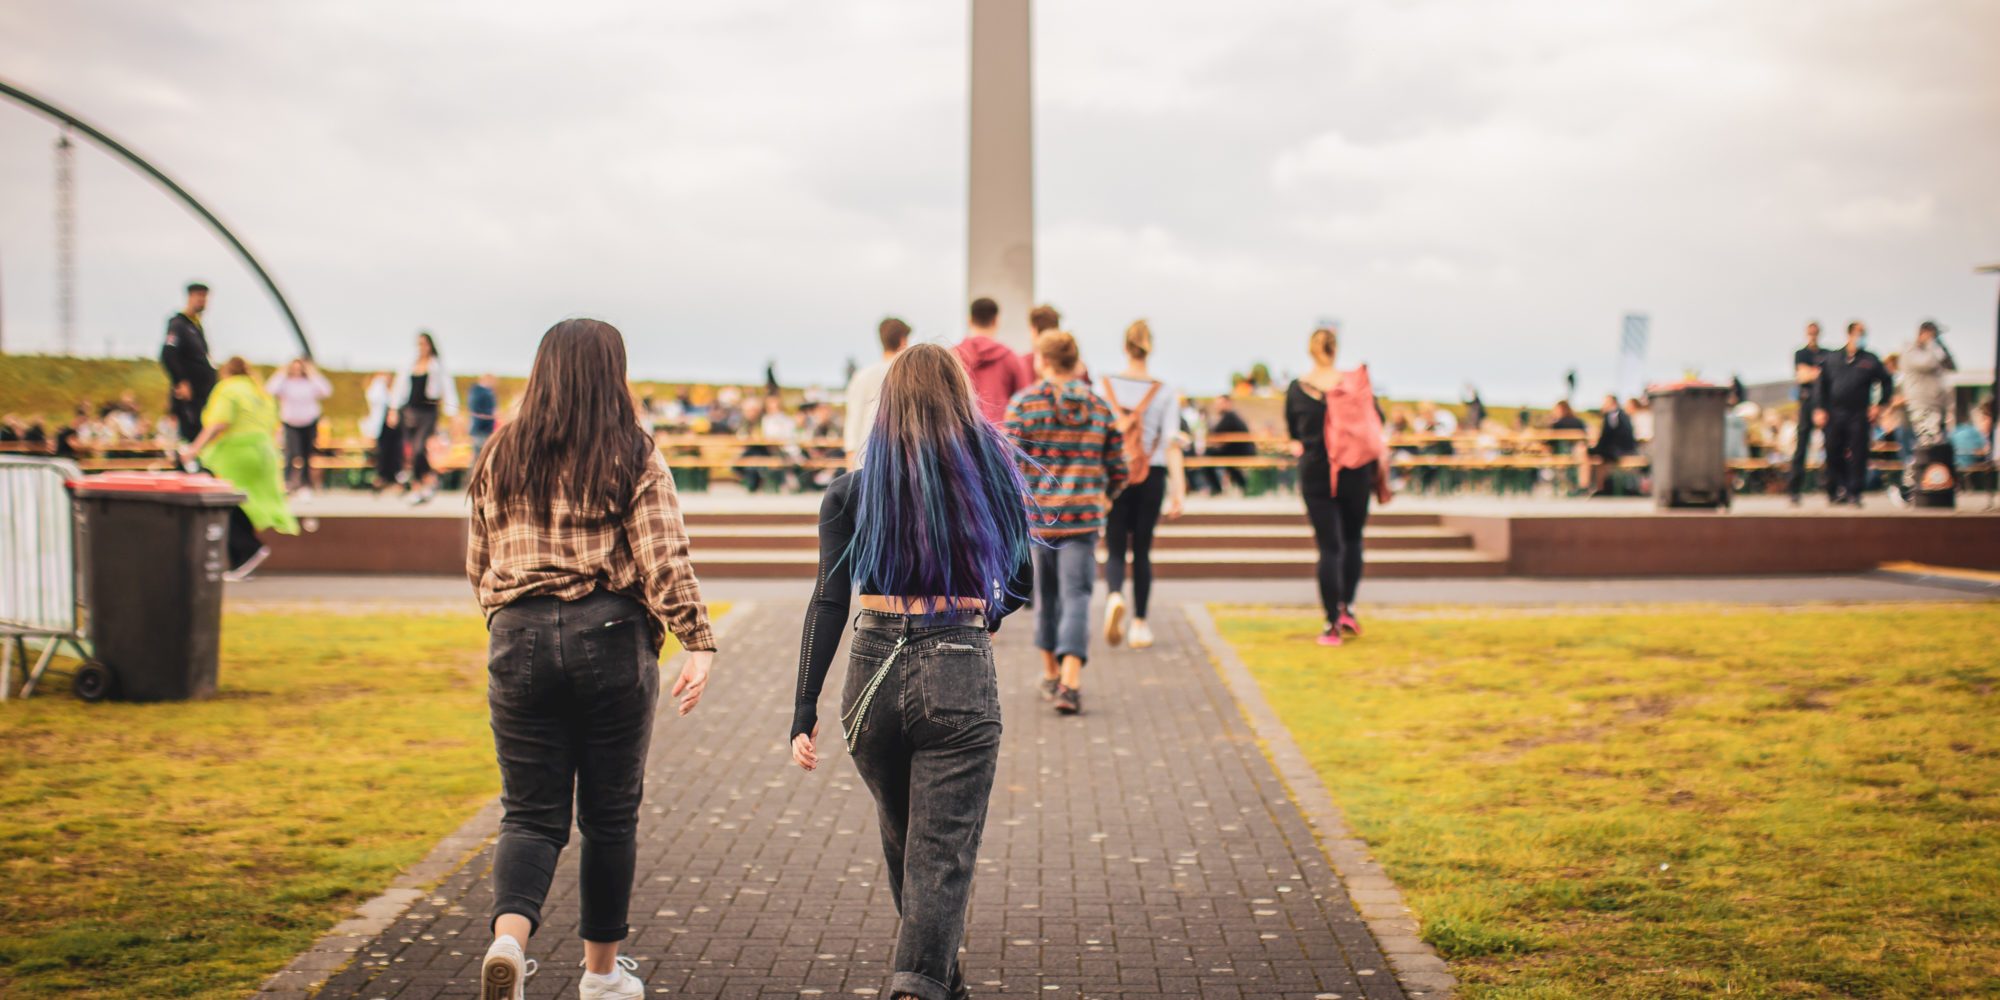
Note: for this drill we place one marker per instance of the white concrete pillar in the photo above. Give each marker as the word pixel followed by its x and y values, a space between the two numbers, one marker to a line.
pixel 1000 217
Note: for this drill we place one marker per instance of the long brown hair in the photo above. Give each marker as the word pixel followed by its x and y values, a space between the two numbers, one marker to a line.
pixel 577 437
pixel 941 508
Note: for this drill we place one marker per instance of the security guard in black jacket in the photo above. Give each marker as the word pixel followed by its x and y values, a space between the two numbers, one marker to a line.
pixel 1841 406
pixel 185 357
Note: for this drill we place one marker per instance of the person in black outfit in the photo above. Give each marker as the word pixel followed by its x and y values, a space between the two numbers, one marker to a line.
pixel 185 357
pixel 1615 440
pixel 1805 372
pixel 937 567
pixel 1338 515
pixel 1843 409
pixel 1228 421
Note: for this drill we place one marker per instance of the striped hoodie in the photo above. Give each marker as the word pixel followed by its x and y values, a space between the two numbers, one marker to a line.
pixel 1077 454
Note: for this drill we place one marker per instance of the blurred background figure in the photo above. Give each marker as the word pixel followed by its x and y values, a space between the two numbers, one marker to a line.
pixel 301 392
pixel 238 428
pixel 190 375
pixel 482 404
pixel 379 428
pixel 864 389
pixel 423 392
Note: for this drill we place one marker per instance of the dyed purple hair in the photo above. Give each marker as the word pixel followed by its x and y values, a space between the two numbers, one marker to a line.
pixel 941 507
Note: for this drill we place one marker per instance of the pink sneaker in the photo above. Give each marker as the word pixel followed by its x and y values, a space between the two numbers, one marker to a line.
pixel 1346 624
pixel 1330 637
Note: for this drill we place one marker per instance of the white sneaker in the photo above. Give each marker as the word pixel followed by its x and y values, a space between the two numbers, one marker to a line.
pixel 242 573
pixel 504 973
pixel 1114 619
pixel 1139 637
pixel 625 986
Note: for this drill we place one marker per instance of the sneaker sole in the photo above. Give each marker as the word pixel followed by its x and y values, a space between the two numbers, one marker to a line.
pixel 1114 624
pixel 497 979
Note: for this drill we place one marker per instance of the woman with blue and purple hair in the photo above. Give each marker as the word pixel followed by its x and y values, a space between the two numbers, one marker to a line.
pixel 933 530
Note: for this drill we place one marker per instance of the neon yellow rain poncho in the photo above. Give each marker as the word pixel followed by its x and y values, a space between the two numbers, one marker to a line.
pixel 246 455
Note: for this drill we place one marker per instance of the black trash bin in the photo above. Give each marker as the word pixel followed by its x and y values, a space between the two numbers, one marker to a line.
pixel 152 549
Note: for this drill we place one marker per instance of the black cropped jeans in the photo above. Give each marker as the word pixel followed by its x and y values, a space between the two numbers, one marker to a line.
pixel 925 735
pixel 571 686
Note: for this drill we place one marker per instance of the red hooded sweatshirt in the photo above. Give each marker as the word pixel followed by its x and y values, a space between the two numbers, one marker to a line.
pixel 996 373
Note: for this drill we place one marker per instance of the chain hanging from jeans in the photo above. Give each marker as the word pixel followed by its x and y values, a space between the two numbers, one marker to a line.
pixel 859 713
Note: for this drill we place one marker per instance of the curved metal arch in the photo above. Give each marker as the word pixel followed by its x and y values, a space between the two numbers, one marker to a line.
pixel 118 149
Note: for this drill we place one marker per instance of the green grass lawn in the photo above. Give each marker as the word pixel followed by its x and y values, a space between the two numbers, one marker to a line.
pixel 1670 803
pixel 191 849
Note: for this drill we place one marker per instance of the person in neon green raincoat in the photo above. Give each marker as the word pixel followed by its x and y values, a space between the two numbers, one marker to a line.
pixel 237 444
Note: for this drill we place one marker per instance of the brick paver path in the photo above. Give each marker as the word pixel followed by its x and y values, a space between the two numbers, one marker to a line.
pixel 1145 849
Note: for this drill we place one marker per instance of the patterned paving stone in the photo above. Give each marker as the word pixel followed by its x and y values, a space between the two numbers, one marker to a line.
pixel 1144 849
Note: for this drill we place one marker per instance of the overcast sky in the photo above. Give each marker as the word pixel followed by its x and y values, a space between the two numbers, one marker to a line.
pixel 1477 191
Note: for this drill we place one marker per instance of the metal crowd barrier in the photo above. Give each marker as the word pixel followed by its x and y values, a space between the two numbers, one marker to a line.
pixel 40 587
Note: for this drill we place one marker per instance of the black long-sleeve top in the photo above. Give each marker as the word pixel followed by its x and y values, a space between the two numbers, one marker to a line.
pixel 1844 381
pixel 184 354
pixel 833 595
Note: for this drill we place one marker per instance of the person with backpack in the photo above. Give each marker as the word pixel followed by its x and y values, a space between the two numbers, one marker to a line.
pixel 1148 418
pixel 1336 430
pixel 1073 457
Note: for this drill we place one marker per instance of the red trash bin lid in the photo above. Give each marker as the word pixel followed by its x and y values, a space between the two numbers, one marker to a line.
pixel 197 486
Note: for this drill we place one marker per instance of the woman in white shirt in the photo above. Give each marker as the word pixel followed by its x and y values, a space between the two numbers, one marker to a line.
pixel 1148 411
pixel 377 427
pixel 422 393
pixel 299 389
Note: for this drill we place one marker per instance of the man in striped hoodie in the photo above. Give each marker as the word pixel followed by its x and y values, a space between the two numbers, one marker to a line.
pixel 1078 459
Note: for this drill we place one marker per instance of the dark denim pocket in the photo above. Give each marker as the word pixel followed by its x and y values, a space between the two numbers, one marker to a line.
pixel 957 682
pixel 620 654
pixel 510 663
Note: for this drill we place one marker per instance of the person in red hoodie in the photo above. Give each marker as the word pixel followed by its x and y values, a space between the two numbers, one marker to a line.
pixel 994 368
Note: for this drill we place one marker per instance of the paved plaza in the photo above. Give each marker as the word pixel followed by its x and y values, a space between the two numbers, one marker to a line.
pixel 1145 849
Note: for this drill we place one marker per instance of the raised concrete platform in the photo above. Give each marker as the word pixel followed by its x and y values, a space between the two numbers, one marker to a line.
pixel 739 535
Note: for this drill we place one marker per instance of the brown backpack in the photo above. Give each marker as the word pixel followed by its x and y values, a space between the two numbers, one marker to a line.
pixel 1131 423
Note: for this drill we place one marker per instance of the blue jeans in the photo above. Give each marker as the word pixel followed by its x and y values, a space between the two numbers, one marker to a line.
pixel 1065 570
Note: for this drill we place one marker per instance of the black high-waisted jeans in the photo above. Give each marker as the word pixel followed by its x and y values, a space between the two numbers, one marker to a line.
pixel 925 735
pixel 571 686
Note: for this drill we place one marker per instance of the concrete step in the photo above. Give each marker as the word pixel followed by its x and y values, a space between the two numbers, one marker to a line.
pixel 1377 518
pixel 1171 535
pixel 1173 563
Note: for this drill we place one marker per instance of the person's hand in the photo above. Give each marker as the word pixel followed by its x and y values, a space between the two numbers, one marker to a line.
pixel 182 390
pixel 1819 418
pixel 187 454
pixel 389 419
pixel 1175 504
pixel 1874 414
pixel 1297 448
pixel 1383 491
pixel 802 749
pixel 693 679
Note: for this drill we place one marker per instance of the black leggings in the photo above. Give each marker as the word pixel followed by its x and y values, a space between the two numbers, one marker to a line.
pixel 1337 522
pixel 1134 515
pixel 419 424
pixel 243 542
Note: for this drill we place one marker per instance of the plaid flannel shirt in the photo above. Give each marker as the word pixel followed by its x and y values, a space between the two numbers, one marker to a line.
pixel 641 551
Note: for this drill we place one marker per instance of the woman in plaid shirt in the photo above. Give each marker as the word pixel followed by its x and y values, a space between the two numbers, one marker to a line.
pixel 580 559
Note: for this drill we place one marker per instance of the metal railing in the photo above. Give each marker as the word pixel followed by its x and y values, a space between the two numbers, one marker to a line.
pixel 40 588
